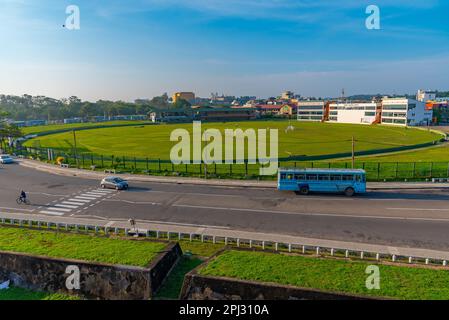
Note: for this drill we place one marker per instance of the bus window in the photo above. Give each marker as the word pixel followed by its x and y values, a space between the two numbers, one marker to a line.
pixel 290 177
pixel 312 177
pixel 323 177
pixel 335 178
pixel 283 175
pixel 348 177
pixel 300 177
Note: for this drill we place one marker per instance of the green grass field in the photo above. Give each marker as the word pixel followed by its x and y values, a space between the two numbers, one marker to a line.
pixel 401 282
pixel 14 294
pixel 78 246
pixel 308 139
pixel 431 154
pixel 71 126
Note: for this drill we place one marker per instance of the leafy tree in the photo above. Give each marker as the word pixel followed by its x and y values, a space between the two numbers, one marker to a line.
pixel 181 104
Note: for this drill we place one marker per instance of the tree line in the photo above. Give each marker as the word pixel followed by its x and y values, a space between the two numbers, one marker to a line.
pixel 29 107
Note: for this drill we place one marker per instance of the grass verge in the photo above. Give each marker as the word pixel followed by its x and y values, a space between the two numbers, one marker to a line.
pixel 79 246
pixel 400 282
pixel 23 294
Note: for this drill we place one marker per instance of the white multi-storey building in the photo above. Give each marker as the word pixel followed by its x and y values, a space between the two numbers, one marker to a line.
pixel 390 111
pixel 405 112
pixel 311 110
pixel 357 113
pixel 425 96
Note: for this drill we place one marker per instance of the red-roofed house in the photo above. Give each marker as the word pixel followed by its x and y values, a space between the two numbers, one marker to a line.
pixel 276 110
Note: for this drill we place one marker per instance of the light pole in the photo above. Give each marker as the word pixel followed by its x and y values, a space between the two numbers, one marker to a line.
pixel 75 149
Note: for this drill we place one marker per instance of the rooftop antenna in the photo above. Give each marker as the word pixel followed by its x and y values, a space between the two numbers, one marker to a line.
pixel 343 94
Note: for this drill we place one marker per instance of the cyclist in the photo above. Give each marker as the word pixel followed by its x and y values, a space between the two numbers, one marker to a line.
pixel 23 196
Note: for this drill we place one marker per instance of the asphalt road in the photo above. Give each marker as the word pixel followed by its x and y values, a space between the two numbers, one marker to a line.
pixel 397 218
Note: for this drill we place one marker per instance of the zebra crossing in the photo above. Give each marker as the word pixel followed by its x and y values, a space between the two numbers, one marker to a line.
pixel 77 202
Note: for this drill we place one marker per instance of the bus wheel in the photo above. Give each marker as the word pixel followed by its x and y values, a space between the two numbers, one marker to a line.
pixel 349 192
pixel 304 191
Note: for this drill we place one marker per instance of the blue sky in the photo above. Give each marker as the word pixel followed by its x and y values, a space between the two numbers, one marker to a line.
pixel 140 48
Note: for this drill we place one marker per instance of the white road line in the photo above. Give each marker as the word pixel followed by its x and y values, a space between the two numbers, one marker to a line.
pixel 48 194
pixel 73 203
pixel 79 200
pixel 133 202
pixel 58 209
pixel 310 198
pixel 85 198
pixel 418 209
pixel 90 194
pixel 52 213
pixel 103 191
pixel 65 206
pixel 313 214
pixel 386 199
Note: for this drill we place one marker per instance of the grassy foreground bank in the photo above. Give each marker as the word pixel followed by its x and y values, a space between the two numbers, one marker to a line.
pixel 79 246
pixel 23 294
pixel 400 282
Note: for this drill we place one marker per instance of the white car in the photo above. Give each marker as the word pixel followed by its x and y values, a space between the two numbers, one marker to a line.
pixel 6 159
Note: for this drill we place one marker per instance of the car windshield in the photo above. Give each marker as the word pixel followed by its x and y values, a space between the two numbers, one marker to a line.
pixel 118 180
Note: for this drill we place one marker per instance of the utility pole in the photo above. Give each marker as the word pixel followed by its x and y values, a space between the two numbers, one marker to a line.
pixel 75 149
pixel 205 155
pixel 353 152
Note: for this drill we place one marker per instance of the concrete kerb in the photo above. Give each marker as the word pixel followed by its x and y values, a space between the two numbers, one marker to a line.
pixel 87 174
pixel 274 243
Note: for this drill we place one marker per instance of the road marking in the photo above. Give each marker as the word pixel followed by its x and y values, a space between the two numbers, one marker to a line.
pixel 92 194
pixel 309 198
pixel 65 206
pixel 418 209
pixel 85 198
pixel 96 192
pixel 73 203
pixel 52 213
pixel 79 200
pixel 59 209
pixel 313 214
pixel 133 202
pixel 386 199
pixel 48 194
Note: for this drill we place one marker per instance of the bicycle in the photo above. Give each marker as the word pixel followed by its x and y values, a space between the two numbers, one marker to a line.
pixel 21 200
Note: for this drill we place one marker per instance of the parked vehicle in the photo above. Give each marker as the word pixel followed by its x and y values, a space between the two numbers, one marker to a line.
pixel 304 181
pixel 114 183
pixel 6 159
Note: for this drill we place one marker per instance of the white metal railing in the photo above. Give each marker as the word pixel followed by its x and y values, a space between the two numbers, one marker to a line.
pixel 228 241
